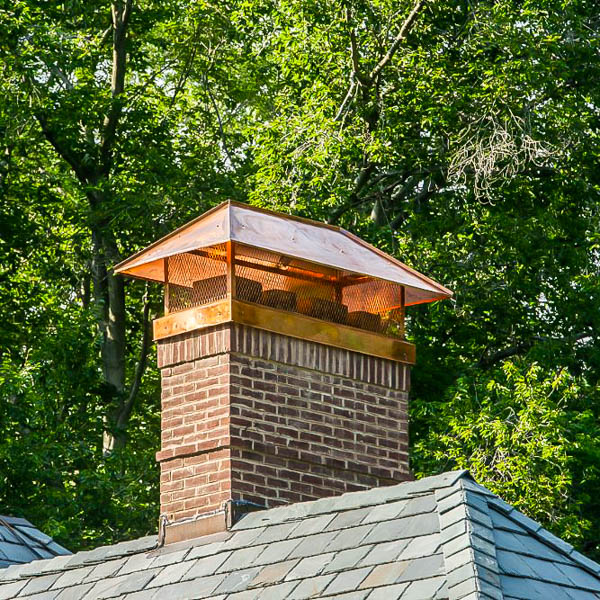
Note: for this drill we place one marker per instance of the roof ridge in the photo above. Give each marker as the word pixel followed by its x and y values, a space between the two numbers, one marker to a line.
pixel 468 544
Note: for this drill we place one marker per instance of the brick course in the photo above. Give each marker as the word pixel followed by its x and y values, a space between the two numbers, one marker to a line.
pixel 258 416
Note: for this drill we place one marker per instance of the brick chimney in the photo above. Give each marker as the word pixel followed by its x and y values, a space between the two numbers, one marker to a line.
pixel 285 373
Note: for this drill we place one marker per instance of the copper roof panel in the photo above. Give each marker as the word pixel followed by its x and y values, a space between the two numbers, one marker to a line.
pixel 291 236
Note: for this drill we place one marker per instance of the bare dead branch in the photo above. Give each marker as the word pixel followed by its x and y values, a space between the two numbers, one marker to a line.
pixel 496 148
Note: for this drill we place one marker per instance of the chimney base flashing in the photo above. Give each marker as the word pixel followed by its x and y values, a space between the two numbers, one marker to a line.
pixel 198 526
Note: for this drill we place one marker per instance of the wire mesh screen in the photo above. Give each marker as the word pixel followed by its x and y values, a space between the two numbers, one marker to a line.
pixel 285 283
pixel 321 292
pixel 375 305
pixel 196 278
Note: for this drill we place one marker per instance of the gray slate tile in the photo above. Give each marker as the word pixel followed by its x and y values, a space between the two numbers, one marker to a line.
pixel 526 522
pixel 13 572
pixel 388 592
pixel 349 538
pixel 385 574
pixel 203 567
pixel 384 512
pixel 578 577
pixel 464 511
pixel 530 589
pixel 384 553
pixel 425 589
pixel 237 581
pixel 117 586
pixel 424 545
pixel 76 592
pixel 313 525
pixel 141 595
pixel 358 595
pixel 274 573
pixel 205 550
pixel 240 559
pixel 281 591
pixel 349 518
pixel 511 563
pixel 421 568
pixel 402 528
pixel 468 555
pixel 276 551
pixel 420 505
pixel 165 559
pixel 346 559
pixel 243 539
pixel 245 595
pixel 137 562
pixel 37 567
pixel 462 573
pixel 143 544
pixel 73 577
pixel 48 595
pixel 104 570
pixel 310 566
pixel 584 561
pixel 169 574
pixel 347 581
pixel 475 586
pixel 10 590
pixel 276 533
pixel 39 584
pixel 501 521
pixel 311 545
pixel 189 590
pixel 311 588
pixel 553 541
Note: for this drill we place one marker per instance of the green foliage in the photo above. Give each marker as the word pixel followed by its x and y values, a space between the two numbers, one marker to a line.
pixel 52 467
pixel 521 432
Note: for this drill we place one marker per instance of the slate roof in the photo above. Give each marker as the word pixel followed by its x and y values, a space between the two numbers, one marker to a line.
pixel 443 537
pixel 21 542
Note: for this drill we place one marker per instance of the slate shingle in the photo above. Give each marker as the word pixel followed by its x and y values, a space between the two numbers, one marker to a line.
pixel 444 537
pixel 311 588
pixel 388 592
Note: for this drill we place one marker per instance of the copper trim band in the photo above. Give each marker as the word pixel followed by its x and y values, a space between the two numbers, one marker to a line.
pixel 286 323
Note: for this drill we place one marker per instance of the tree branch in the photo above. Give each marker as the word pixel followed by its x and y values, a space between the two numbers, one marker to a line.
pixel 220 123
pixel 120 16
pixel 141 366
pixel 347 98
pixel 354 53
pixel 404 30
pixel 63 150
pixel 520 348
